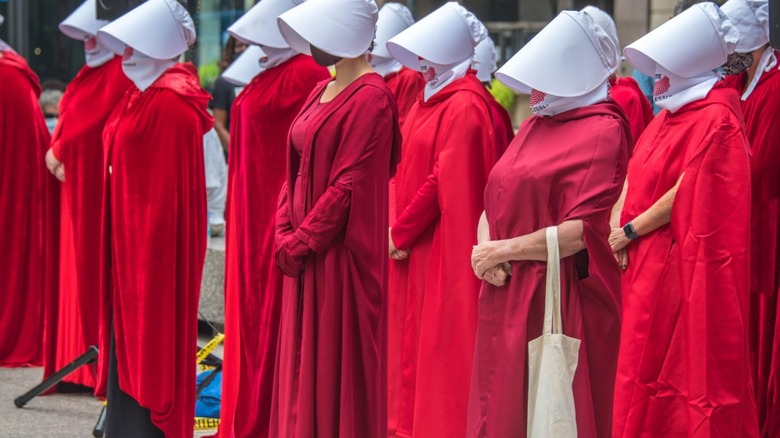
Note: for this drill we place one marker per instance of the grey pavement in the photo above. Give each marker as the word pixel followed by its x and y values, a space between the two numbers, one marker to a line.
pixel 50 416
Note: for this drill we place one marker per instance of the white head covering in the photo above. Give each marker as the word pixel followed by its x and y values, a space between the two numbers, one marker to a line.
pixel 2 19
pixel 446 36
pixel 82 23
pixel 341 28
pixel 570 57
pixel 751 18
pixel 394 18
pixel 160 29
pixel 258 24
pixel 245 67
pixel 608 24
pixel 485 59
pixel 696 41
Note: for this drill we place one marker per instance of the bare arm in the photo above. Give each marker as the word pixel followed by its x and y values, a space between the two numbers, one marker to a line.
pixel 531 246
pixel 614 219
pixel 483 229
pixel 220 125
pixel 658 215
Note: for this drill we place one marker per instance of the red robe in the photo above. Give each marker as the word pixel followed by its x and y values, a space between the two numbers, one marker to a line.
pixel 27 248
pixel 260 119
pixel 502 122
pixel 570 166
pixel 449 148
pixel 406 84
pixel 684 368
pixel 763 134
pixel 626 93
pixel 331 371
pixel 77 142
pixel 154 235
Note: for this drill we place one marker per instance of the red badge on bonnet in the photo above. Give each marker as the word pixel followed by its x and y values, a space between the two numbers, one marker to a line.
pixel 661 86
pixel 537 97
pixel 127 53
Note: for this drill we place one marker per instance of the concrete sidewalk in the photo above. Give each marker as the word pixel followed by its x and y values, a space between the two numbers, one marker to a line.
pixel 51 416
pixel 56 415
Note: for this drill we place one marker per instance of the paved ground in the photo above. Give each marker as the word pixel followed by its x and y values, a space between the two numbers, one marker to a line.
pixel 51 416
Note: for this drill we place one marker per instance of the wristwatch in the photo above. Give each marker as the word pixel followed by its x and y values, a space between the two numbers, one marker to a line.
pixel 630 231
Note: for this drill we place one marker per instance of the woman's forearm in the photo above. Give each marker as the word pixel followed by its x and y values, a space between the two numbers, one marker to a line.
pixel 658 215
pixel 534 246
pixel 483 229
pixel 614 220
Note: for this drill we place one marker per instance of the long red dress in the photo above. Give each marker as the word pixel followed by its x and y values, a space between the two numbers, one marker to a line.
pixel 684 368
pixel 332 360
pixel 26 216
pixel 406 84
pixel 260 119
pixel 154 235
pixel 763 134
pixel 77 142
pixel 566 167
pixel 449 148
pixel 626 92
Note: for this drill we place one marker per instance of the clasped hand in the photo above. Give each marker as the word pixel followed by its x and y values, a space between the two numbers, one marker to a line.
pixel 490 263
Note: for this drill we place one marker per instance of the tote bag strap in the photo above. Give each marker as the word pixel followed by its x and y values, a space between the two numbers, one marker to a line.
pixel 552 300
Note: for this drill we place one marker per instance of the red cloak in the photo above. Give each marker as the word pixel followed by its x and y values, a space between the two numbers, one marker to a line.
pixel 77 142
pixel 406 84
pixel 502 122
pixel 684 368
pixel 449 148
pixel 570 166
pixel 331 371
pixel 27 248
pixel 763 134
pixel 154 235
pixel 260 119
pixel 626 92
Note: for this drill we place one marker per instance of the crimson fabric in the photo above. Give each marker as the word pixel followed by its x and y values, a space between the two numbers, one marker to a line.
pixel 154 235
pixel 332 243
pixel 566 167
pixel 502 122
pixel 28 247
pixel 260 119
pixel 77 142
pixel 626 93
pixel 684 368
pixel 449 148
pixel 763 134
pixel 406 84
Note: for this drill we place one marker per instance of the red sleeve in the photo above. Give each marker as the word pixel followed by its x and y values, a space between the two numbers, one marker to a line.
pixel 357 144
pixel 419 214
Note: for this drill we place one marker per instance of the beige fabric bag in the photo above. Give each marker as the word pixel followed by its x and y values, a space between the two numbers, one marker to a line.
pixel 552 361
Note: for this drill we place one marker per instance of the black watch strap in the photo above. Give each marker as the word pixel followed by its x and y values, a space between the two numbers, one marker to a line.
pixel 630 231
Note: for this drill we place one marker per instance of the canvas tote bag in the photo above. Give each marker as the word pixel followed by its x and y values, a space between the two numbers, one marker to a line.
pixel 552 361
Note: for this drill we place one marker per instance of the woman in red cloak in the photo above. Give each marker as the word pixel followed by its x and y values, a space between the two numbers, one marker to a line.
pixel 78 146
pixel 330 234
pixel 405 83
pixel 565 168
pixel 261 117
pixel 154 229
pixel 450 146
pixel 26 215
pixel 684 368
pixel 759 87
